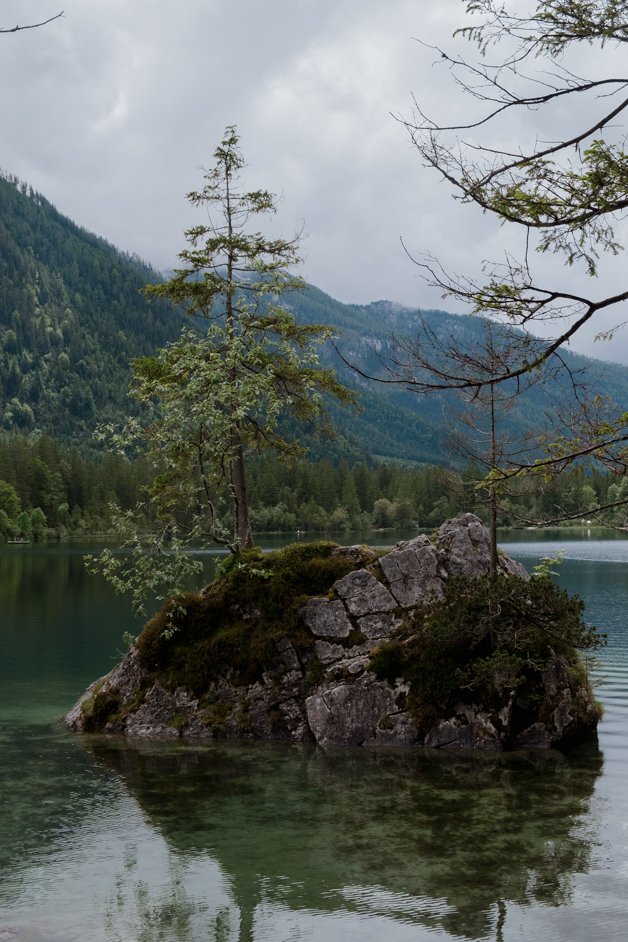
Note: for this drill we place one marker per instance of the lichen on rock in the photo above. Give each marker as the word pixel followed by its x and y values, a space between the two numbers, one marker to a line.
pixel 348 646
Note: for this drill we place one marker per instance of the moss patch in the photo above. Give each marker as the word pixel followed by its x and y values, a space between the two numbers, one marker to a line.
pixel 232 628
pixel 100 709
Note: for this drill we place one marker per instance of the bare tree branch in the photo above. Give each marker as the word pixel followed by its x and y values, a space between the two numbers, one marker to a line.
pixel 19 29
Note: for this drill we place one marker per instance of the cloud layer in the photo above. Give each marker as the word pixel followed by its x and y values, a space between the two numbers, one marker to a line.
pixel 112 111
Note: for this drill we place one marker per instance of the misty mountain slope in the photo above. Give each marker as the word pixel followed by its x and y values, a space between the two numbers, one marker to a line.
pixel 72 316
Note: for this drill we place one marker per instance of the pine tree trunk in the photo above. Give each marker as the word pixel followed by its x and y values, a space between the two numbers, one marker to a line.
pixel 493 535
pixel 493 490
pixel 243 533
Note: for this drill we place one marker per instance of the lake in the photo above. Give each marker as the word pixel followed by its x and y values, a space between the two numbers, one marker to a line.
pixel 106 840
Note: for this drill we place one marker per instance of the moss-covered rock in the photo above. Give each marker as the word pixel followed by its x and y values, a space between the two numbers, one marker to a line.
pixel 232 628
pixel 507 650
pixel 344 645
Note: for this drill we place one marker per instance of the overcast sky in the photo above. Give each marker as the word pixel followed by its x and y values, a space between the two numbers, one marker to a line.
pixel 112 112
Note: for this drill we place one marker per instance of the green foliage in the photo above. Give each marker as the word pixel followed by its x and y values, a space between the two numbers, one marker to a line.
pixel 208 401
pixel 63 489
pixel 485 638
pixel 213 399
pixel 90 493
pixel 544 570
pixel 9 499
pixel 233 626
pixel 145 570
pixel 572 198
pixel 71 318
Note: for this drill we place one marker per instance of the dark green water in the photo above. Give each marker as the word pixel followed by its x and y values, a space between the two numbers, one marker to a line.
pixel 101 840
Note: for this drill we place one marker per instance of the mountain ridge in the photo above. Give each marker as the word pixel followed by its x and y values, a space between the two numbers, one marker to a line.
pixel 72 316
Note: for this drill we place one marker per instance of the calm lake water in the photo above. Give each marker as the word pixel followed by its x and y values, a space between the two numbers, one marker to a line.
pixel 103 840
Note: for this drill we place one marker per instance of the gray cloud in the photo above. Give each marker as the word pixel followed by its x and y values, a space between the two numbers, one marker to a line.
pixel 112 111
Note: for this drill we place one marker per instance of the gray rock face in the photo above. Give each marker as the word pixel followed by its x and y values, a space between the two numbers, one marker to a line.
pixel 342 654
pixel 326 619
pixel 510 567
pixel 349 714
pixel 465 551
pixel 413 572
pixel 288 655
pixel 327 653
pixel 158 711
pixel 362 594
pixel 324 692
pixel 379 626
pixel 124 681
pixel 356 554
pixel 464 543
pixel 469 729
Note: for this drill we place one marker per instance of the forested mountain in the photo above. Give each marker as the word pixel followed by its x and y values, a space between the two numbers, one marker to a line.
pixel 399 424
pixel 72 316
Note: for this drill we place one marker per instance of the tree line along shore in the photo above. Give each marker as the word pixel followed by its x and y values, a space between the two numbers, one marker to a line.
pixel 49 491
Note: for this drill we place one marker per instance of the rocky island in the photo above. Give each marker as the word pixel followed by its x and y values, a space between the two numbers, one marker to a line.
pixel 335 645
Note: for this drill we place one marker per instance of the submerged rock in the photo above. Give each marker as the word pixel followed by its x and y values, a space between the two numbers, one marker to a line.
pixel 378 650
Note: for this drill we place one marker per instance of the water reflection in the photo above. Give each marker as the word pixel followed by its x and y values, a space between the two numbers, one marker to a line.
pixel 137 911
pixel 119 842
pixel 422 840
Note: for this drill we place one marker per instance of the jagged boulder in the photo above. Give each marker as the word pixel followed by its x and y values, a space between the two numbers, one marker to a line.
pixel 397 648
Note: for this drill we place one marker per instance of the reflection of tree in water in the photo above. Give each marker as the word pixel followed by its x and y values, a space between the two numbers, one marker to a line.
pixel 145 913
pixel 10 573
pixel 439 841
pixel 27 575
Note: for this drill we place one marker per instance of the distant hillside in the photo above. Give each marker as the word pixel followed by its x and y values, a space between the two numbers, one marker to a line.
pixel 401 424
pixel 72 317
